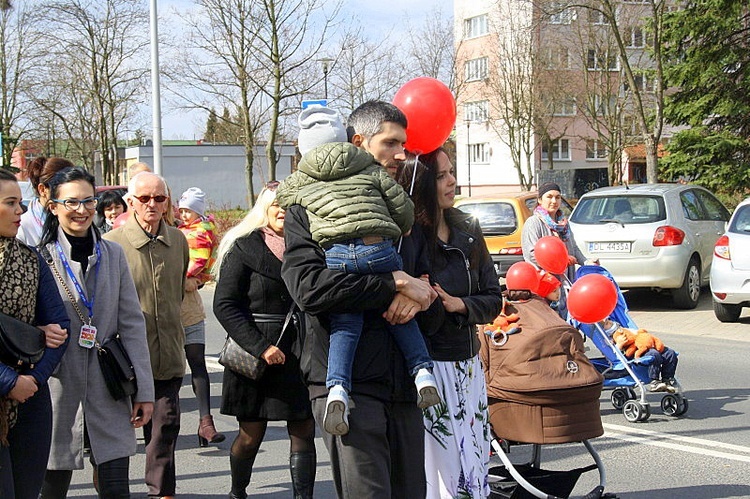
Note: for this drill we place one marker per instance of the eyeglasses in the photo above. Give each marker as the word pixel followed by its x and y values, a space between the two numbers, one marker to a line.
pixel 72 204
pixel 272 185
pixel 145 199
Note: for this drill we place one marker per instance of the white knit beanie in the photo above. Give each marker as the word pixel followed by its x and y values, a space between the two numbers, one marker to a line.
pixel 194 199
pixel 319 125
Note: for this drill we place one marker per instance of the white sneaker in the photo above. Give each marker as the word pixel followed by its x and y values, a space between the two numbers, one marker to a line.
pixel 336 420
pixel 427 395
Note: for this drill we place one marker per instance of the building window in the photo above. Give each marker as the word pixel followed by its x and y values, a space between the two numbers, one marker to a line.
pixel 479 153
pixel 560 13
pixel 476 26
pixel 477 111
pixel 597 17
pixel 558 58
pixel 564 107
pixel 634 37
pixel 603 105
pixel 595 149
pixel 642 83
pixel 476 69
pixel 560 149
pixel 602 61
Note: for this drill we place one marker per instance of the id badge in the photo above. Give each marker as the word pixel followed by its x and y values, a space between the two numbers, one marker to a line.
pixel 87 338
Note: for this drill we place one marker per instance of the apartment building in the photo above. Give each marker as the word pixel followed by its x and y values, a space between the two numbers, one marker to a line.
pixel 543 94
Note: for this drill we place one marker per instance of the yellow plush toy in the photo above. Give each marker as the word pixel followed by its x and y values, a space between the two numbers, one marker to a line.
pixel 636 344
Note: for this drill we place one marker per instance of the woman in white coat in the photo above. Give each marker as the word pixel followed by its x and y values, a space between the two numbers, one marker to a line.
pixel 94 280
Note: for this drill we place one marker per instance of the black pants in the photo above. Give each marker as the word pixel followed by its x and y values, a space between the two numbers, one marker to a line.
pixel 113 478
pixel 24 462
pixel 161 435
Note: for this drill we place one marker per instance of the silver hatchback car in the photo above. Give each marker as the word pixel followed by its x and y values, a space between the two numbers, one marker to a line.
pixel 658 236
pixel 730 270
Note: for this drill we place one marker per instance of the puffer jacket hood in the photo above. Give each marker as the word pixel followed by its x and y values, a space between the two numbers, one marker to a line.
pixel 335 161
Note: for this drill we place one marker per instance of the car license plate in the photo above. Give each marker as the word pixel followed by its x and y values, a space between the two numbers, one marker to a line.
pixel 609 247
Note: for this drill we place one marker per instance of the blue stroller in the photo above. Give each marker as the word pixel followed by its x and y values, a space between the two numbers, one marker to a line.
pixel 621 375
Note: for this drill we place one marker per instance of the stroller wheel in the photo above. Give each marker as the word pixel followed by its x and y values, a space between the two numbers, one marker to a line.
pixel 674 405
pixel 621 395
pixel 635 412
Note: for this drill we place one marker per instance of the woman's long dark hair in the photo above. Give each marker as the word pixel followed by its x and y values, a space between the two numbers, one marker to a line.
pixel 424 196
pixel 51 223
pixel 420 182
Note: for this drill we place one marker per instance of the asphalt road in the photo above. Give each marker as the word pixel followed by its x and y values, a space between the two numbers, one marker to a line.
pixel 704 454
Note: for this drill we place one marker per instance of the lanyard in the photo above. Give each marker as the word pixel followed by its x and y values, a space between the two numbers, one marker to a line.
pixel 89 304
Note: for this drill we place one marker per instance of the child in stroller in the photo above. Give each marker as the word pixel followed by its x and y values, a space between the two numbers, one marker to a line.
pixel 655 371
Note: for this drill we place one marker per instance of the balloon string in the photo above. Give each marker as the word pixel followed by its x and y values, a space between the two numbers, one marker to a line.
pixel 411 191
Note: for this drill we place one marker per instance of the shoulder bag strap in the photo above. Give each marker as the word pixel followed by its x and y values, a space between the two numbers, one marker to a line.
pixel 287 320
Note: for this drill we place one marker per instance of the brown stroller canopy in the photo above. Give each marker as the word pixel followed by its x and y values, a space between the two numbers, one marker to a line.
pixel 541 387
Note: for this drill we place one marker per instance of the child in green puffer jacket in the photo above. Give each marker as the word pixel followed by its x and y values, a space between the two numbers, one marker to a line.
pixel 356 212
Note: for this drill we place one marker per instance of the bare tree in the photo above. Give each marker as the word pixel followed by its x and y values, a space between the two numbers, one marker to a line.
pixel 511 84
pixel 18 39
pixel 637 36
pixel 288 37
pixel 431 48
pixel 101 44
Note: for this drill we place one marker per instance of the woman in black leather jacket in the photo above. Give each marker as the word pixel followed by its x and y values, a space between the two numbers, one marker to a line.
pixel 457 439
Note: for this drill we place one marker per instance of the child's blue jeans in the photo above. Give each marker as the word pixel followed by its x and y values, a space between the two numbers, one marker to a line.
pixel 355 257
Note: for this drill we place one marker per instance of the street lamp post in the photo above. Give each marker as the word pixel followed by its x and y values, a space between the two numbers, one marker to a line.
pixel 326 63
pixel 468 154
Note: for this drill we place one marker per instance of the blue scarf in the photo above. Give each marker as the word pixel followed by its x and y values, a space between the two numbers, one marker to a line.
pixel 559 225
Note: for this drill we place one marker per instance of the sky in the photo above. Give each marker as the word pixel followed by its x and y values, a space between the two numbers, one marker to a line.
pixel 382 16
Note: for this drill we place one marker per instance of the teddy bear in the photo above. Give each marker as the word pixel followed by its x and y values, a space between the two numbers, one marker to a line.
pixel 636 343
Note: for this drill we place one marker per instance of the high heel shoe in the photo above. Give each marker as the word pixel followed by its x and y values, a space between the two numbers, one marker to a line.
pixel 207 433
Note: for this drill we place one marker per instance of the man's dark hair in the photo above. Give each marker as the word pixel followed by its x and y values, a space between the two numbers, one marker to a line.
pixel 367 120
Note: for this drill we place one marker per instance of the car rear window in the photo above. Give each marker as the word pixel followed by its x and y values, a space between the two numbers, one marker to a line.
pixel 741 221
pixel 619 208
pixel 496 219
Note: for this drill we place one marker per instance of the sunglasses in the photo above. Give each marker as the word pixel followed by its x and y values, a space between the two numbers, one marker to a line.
pixel 145 199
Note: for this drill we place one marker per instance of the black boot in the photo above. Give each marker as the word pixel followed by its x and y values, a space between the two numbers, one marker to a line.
pixel 242 470
pixel 302 466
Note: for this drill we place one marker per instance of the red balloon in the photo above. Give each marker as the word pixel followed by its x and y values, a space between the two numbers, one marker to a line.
pixel 551 254
pixel 592 298
pixel 120 220
pixel 430 111
pixel 522 275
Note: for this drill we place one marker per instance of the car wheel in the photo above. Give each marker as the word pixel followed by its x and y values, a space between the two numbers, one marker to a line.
pixel 727 313
pixel 687 295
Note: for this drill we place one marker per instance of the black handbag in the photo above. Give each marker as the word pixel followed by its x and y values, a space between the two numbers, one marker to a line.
pixel 21 344
pixel 237 359
pixel 117 369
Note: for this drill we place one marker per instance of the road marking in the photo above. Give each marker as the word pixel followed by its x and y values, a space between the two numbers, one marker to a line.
pixel 212 364
pixel 675 442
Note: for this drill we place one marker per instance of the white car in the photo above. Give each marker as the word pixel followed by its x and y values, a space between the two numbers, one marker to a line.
pixel 730 270
pixel 655 236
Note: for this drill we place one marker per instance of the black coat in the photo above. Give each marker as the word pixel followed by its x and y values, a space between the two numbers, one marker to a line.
pixel 250 282
pixel 379 369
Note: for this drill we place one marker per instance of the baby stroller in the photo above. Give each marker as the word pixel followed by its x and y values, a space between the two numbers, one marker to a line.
pixel 541 390
pixel 625 376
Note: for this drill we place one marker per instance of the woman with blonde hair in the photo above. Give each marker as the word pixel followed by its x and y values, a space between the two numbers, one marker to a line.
pixel 251 302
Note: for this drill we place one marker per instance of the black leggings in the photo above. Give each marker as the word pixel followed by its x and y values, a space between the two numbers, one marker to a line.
pixel 250 436
pixel 196 358
pixel 114 481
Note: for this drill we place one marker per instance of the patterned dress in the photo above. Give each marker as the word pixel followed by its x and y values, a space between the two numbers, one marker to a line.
pixel 463 430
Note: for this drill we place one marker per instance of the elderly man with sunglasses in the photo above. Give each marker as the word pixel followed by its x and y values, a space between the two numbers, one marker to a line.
pixel 157 255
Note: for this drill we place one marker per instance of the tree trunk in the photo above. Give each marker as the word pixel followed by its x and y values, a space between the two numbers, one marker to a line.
pixel 652 161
